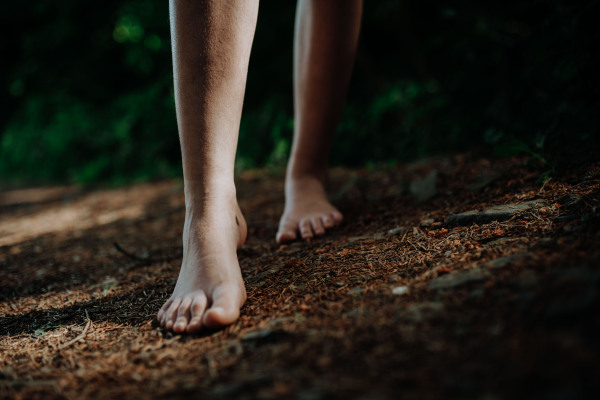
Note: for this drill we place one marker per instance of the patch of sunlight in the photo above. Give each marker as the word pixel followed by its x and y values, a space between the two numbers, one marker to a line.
pixel 72 216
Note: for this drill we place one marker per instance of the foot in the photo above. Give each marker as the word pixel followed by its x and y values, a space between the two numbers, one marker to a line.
pixel 210 290
pixel 308 212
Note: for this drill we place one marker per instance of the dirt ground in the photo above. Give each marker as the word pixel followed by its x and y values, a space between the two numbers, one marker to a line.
pixel 395 303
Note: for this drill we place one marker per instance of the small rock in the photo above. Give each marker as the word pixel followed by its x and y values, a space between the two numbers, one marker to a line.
pixel 506 260
pixel 427 222
pixel 496 213
pixel 397 231
pixel 279 322
pixel 425 188
pixel 400 290
pixel 451 281
pixel 257 338
pixel 357 239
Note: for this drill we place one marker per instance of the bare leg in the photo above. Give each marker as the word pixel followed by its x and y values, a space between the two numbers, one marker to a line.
pixel 325 46
pixel 211 47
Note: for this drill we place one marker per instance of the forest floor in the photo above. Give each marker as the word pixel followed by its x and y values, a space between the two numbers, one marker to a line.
pixel 401 301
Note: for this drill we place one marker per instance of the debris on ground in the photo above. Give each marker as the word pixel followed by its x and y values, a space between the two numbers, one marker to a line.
pixel 474 281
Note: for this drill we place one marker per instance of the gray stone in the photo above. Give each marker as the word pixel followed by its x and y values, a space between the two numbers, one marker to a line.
pixel 451 281
pixel 261 337
pixel 397 231
pixel 506 260
pixel 400 290
pixel 496 213
pixel 425 188
pixel 427 222
pixel 277 323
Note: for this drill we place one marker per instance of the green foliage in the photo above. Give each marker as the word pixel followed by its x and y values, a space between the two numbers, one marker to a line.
pixel 93 96
pixel 88 95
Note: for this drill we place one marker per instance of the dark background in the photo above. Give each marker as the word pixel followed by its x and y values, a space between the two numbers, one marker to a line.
pixel 87 87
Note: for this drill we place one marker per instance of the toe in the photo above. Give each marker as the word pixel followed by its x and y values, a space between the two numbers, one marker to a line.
pixel 305 229
pixel 287 231
pixel 183 315
pixel 337 217
pixel 327 222
pixel 225 308
pixel 163 310
pixel 286 236
pixel 197 312
pixel 317 226
pixel 172 313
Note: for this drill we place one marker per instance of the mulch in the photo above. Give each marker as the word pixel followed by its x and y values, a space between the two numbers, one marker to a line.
pixel 395 303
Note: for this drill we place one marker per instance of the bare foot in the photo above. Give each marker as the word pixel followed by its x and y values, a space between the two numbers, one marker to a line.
pixel 307 210
pixel 210 290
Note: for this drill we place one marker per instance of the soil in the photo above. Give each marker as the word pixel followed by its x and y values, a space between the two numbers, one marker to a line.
pixel 395 303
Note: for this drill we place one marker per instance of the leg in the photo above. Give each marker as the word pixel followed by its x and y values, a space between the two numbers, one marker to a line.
pixel 211 47
pixel 325 46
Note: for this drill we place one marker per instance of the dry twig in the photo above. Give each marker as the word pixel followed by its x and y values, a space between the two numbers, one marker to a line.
pixel 80 336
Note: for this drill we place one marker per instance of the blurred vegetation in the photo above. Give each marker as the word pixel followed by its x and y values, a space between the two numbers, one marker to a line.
pixel 88 90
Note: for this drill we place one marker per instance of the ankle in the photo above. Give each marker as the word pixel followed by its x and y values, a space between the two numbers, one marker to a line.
pixel 198 192
pixel 310 174
pixel 307 168
pixel 303 185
